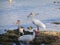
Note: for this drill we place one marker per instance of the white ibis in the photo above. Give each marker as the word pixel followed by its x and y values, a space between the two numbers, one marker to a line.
pixel 27 38
pixel 36 22
pixel 20 29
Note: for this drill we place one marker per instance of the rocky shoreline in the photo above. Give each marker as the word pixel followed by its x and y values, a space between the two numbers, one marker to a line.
pixel 47 37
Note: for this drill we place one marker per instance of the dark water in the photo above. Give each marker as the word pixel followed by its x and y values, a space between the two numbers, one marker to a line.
pixel 42 44
pixel 23 44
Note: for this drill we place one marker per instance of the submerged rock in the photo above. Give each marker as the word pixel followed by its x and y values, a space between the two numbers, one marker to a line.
pixel 56 22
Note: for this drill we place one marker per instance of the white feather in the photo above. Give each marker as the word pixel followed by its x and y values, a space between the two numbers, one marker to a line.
pixel 27 38
pixel 37 22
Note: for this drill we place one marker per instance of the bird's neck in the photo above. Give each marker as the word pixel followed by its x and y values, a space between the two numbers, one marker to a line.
pixel 32 18
pixel 33 34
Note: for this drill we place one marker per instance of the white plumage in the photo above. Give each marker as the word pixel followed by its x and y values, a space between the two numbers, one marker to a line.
pixel 27 38
pixel 36 22
pixel 39 23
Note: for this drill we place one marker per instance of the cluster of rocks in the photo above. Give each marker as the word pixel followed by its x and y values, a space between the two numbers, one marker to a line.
pixel 12 35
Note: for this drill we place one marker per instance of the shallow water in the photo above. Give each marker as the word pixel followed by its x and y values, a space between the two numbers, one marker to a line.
pixel 19 9
pixel 22 44
pixel 49 27
pixel 42 44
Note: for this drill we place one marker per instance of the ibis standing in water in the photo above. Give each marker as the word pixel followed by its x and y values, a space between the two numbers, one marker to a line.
pixel 36 22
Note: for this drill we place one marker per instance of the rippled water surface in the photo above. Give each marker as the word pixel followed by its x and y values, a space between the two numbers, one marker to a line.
pixel 11 11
